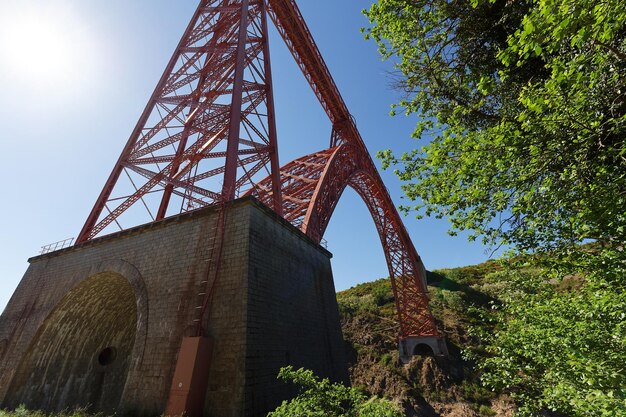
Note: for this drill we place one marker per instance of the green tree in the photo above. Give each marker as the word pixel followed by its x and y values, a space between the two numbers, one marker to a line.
pixel 522 109
pixel 524 103
pixel 558 350
pixel 321 398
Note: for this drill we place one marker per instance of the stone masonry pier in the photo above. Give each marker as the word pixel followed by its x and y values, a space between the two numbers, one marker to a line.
pixel 100 324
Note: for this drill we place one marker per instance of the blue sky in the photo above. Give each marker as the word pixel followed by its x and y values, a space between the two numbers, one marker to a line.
pixel 76 74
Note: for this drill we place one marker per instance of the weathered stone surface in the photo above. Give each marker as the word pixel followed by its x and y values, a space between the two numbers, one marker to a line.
pixel 98 316
pixel 135 293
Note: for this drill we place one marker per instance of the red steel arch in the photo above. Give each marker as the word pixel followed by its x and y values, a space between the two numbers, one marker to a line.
pixel 317 181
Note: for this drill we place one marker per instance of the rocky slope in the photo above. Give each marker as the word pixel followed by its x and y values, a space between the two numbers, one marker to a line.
pixel 427 386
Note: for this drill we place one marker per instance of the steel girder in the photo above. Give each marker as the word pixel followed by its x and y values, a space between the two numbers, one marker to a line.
pixel 208 131
pixel 312 186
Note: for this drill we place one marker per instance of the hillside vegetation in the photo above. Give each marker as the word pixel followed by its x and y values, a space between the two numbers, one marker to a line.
pixel 516 347
pixel 520 107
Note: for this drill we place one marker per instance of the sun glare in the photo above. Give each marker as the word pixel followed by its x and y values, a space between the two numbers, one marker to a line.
pixel 42 46
pixel 36 47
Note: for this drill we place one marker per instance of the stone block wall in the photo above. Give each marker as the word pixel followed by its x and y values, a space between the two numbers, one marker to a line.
pixel 292 314
pixel 273 305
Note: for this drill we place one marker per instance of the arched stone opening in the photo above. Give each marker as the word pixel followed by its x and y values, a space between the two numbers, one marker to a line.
pixel 421 345
pixel 81 354
pixel 422 349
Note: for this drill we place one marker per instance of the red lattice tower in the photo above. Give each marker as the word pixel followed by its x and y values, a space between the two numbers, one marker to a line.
pixel 208 135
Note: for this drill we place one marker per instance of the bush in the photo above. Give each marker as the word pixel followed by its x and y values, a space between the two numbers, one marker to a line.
pixel 382 294
pixel 562 352
pixel 319 397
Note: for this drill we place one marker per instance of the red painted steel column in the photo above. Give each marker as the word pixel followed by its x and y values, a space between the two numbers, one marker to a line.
pixel 271 118
pixel 230 172
pixel 169 188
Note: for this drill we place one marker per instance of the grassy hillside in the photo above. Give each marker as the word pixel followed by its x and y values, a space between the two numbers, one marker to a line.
pixel 545 344
pixel 427 386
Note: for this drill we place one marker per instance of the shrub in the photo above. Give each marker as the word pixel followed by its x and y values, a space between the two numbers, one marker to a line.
pixel 319 397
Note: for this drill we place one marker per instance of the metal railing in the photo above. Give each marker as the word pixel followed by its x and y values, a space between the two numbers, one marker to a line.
pixel 61 244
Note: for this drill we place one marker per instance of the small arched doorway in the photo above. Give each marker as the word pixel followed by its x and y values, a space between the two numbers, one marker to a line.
pixel 81 354
pixel 422 349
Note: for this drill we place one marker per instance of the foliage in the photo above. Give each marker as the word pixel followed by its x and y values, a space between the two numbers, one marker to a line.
pixel 374 297
pixel 368 288
pixel 320 397
pixel 382 294
pixel 525 102
pixel 553 344
pixel 372 332
pixel 22 411
pixel 560 351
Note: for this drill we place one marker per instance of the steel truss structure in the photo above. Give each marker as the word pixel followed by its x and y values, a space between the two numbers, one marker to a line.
pixel 208 135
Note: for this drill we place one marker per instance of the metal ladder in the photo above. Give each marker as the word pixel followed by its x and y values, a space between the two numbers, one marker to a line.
pixel 204 298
